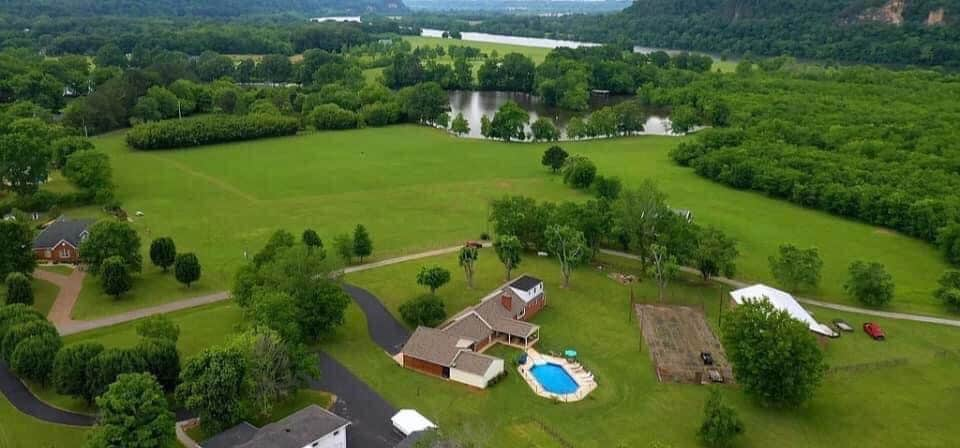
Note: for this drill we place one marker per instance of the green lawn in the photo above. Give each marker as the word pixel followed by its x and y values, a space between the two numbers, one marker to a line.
pixel 44 294
pixel 630 405
pixel 60 269
pixel 152 287
pixel 21 431
pixel 417 188
pixel 536 53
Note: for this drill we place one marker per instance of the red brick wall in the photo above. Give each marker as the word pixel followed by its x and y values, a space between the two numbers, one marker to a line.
pixel 535 306
pixel 61 253
pixel 480 345
pixel 422 366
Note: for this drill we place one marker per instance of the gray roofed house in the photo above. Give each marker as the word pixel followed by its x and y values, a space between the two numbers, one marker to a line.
pixel 310 426
pixel 73 231
pixel 472 362
pixel 433 345
pixel 239 434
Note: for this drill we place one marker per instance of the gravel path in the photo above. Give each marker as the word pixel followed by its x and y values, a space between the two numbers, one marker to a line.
pixel 833 306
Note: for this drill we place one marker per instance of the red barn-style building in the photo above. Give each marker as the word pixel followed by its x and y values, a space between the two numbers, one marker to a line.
pixel 60 241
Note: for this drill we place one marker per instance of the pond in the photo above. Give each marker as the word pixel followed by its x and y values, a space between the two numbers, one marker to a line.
pixel 474 105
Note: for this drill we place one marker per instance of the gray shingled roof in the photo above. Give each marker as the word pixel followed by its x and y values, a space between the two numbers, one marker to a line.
pixel 525 282
pixel 470 326
pixel 298 429
pixel 63 229
pixel 232 437
pixel 472 362
pixel 432 345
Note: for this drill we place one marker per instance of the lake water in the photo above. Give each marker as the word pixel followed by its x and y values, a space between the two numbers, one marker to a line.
pixel 512 40
pixel 474 105
pixel 355 19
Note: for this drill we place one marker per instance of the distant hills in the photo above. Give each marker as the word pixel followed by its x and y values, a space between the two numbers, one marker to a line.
pixel 198 8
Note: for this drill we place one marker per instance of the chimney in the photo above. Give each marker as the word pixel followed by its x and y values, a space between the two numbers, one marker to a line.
pixel 507 302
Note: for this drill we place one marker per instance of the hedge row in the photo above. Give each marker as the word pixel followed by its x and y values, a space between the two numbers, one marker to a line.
pixel 209 129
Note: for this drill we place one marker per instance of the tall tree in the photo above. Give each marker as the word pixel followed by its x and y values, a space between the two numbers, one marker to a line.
pixel 796 268
pixel 459 125
pixel 133 413
pixel 869 283
pixel 468 261
pixel 343 244
pixel 554 157
pixel 115 277
pixel 311 239
pixel 715 254
pixel 108 238
pixel 187 268
pixel 508 249
pixel 276 368
pixel 321 309
pixel 362 244
pixel 161 359
pixel 949 290
pixel 24 161
pixel 570 248
pixel 433 277
pixel 579 172
pixel 427 310
pixel 212 385
pixel 19 289
pixel 108 364
pixel 163 252
pixel 636 216
pixel 70 369
pixel 720 422
pixel 16 248
pixel 775 357
pixel 663 268
pixel 158 327
pixel 32 359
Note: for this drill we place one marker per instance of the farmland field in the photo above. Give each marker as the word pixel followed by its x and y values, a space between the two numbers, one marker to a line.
pixel 418 188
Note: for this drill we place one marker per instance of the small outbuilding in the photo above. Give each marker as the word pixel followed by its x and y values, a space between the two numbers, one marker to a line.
pixel 409 421
pixel 781 300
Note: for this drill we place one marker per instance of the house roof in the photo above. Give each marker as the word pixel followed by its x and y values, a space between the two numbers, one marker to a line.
pixel 470 326
pixel 525 282
pixel 232 437
pixel 782 301
pixel 63 229
pixel 514 327
pixel 409 421
pixel 298 429
pixel 432 345
pixel 472 362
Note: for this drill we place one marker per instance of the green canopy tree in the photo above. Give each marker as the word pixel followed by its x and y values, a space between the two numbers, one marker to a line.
pixel 110 363
pixel 554 157
pixel 114 277
pixel 796 268
pixel 721 425
pixel 774 356
pixel 579 172
pixel 69 376
pixel 663 267
pixel 468 261
pixel 16 248
pixel 508 249
pixel 433 277
pixel 570 248
pixel 869 283
pixel 163 252
pixel 427 310
pixel 32 359
pixel 715 254
pixel 133 413
pixel 19 289
pixel 212 385
pixel 949 290
pixel 459 125
pixel 187 268
pixel 161 359
pixel 362 244
pixel 158 327
pixel 109 238
pixel 311 239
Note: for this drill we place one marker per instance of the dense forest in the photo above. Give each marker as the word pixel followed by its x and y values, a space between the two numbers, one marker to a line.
pixel 908 32
pixel 206 8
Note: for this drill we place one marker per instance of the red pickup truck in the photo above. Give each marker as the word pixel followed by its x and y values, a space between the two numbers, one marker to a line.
pixel 874 331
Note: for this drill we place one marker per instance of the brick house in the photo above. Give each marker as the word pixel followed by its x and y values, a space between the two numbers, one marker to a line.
pixel 454 350
pixel 60 241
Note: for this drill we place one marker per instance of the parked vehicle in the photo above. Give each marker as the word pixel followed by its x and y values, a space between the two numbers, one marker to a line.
pixel 715 375
pixel 874 331
pixel 707 358
pixel 842 325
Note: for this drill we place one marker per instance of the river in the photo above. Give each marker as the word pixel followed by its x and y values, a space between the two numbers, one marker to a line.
pixel 474 105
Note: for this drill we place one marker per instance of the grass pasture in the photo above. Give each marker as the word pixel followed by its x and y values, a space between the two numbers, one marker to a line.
pixel 630 405
pixel 418 188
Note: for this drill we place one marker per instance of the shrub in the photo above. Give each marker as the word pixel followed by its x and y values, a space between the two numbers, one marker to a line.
pixel 331 116
pixel 209 130
pixel 106 366
pixel 158 327
pixel 160 358
pixel 115 277
pixel 33 357
pixel 427 310
pixel 70 369
pixel 187 268
pixel 579 172
pixel 19 289
pixel 21 332
pixel 870 283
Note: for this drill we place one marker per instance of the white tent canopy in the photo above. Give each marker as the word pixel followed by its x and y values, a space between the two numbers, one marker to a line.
pixel 408 421
pixel 782 301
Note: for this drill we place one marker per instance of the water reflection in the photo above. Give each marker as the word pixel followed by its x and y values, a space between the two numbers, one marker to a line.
pixel 474 105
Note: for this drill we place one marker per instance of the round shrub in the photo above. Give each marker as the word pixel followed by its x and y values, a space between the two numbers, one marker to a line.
pixel 33 357
pixel 330 117
pixel 427 310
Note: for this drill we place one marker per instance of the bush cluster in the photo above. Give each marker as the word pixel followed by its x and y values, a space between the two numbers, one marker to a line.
pixel 208 130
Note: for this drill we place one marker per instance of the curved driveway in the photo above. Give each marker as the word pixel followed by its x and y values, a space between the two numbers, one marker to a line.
pixel 383 328
pixel 29 404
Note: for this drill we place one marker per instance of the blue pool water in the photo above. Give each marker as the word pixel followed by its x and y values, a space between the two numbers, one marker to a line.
pixel 554 378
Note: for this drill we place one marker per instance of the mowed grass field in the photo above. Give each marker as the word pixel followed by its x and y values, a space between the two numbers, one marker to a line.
pixel 894 406
pixel 899 406
pixel 418 188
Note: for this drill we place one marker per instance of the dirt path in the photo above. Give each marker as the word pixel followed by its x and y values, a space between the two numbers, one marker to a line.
pixel 404 258
pixel 78 326
pixel 833 306
pixel 70 286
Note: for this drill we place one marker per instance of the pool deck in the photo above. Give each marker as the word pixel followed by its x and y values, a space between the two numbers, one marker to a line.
pixel 585 380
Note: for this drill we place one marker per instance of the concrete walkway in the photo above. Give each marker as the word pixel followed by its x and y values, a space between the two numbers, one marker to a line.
pixel 733 283
pixel 78 326
pixel 70 286
pixel 404 258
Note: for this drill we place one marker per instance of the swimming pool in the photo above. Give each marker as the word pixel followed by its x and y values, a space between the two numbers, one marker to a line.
pixel 554 378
